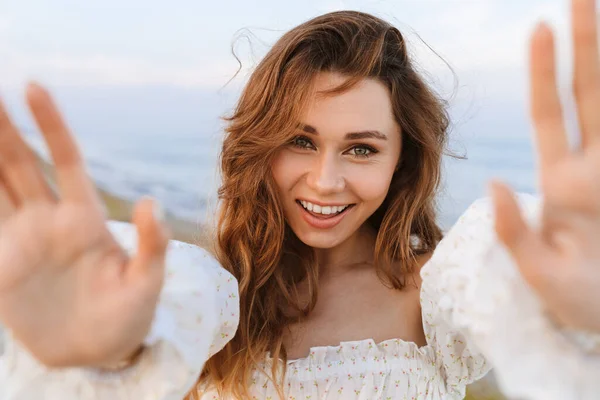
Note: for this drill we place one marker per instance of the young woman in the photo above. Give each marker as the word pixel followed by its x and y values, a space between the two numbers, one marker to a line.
pixel 333 280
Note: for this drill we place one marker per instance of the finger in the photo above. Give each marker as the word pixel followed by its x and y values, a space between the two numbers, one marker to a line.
pixel 72 179
pixel 519 239
pixel 21 174
pixel 7 203
pixel 153 237
pixel 586 69
pixel 546 110
pixel 576 184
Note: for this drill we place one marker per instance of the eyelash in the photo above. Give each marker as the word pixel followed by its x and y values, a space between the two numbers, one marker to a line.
pixel 371 150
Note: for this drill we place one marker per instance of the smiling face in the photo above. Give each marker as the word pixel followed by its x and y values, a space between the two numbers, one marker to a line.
pixel 337 170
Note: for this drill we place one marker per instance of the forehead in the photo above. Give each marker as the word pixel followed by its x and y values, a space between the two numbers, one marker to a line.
pixel 365 106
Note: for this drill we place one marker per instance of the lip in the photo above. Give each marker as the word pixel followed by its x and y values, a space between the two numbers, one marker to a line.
pixel 323 204
pixel 325 223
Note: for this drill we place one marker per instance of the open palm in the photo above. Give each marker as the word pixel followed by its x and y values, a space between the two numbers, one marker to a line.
pixel 68 292
pixel 561 259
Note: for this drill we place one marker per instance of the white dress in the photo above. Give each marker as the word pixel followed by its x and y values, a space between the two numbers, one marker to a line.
pixel 477 313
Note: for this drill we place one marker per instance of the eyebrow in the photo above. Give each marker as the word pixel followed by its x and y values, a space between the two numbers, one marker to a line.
pixel 369 134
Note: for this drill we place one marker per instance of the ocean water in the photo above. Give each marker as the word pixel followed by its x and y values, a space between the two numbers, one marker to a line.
pixel 509 159
pixel 166 144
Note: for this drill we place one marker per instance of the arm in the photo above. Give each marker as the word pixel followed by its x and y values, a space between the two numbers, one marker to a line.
pixel 481 312
pixel 196 315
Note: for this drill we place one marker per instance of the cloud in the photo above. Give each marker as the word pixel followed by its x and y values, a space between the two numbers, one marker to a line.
pixel 476 37
pixel 5 23
pixel 332 5
pixel 486 35
pixel 5 26
pixel 102 69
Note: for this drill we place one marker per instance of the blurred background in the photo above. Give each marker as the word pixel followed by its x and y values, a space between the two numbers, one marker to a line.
pixel 143 84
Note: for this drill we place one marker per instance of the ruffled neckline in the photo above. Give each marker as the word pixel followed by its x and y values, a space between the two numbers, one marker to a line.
pixel 361 351
pixel 359 357
pixel 360 348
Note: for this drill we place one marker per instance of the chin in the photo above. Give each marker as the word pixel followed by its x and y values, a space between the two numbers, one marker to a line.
pixel 321 240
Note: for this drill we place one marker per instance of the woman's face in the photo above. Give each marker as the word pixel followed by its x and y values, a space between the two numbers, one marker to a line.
pixel 337 170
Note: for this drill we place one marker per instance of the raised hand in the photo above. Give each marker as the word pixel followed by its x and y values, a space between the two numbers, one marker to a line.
pixel 561 259
pixel 68 292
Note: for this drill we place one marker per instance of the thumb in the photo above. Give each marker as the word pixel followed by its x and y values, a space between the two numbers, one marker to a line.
pixel 512 230
pixel 509 224
pixel 153 236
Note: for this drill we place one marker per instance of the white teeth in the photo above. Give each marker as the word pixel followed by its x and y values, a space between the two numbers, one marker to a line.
pixel 325 210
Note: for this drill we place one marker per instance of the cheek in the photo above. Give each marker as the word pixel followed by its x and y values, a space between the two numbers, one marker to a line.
pixel 371 184
pixel 286 169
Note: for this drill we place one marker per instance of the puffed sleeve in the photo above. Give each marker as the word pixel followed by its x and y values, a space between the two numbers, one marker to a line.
pixel 478 312
pixel 196 316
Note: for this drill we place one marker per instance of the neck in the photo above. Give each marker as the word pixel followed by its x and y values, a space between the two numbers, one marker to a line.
pixel 357 249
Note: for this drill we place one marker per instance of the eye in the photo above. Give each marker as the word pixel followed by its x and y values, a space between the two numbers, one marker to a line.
pixel 302 142
pixel 362 151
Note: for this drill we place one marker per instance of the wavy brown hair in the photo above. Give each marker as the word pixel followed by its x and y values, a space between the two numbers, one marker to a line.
pixel 254 242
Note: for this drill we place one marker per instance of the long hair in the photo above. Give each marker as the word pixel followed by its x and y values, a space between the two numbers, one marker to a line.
pixel 253 241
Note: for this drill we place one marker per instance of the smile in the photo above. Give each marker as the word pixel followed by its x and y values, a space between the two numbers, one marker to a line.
pixel 321 216
pixel 323 210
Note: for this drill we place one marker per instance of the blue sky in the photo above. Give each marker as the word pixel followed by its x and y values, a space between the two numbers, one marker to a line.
pixel 187 42
pixel 116 59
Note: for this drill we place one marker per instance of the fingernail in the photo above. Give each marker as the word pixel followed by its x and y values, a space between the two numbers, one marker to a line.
pixel 33 86
pixel 157 209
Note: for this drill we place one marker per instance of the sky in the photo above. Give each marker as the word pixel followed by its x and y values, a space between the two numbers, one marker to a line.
pixel 112 58
pixel 188 42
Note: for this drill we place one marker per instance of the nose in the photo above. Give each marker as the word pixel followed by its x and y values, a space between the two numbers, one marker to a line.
pixel 326 176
